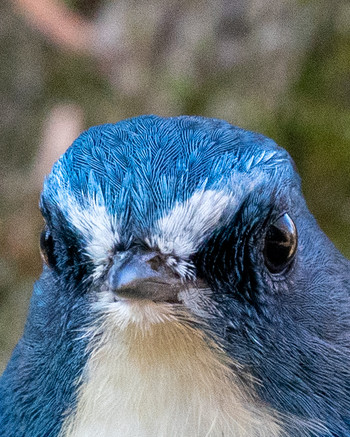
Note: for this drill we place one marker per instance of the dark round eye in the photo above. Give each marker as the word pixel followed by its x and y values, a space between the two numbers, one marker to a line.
pixel 281 243
pixel 47 248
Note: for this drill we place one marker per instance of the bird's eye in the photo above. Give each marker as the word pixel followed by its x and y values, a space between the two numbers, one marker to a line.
pixel 281 242
pixel 47 248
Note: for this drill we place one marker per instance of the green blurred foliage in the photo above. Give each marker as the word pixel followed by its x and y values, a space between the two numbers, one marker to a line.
pixel 313 124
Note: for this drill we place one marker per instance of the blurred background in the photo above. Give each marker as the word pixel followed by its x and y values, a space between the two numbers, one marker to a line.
pixel 281 67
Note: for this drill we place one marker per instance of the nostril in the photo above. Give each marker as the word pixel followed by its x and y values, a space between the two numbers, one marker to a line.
pixel 156 262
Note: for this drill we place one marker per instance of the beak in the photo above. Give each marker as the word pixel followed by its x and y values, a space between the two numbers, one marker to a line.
pixel 143 276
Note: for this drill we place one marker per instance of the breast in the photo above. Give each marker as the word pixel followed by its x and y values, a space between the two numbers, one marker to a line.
pixel 152 373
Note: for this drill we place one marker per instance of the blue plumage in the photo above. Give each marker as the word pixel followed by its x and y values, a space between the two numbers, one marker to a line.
pixel 204 206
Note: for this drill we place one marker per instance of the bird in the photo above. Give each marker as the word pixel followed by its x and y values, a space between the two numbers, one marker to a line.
pixel 187 291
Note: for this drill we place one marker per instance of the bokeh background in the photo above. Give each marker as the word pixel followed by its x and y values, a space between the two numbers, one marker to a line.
pixel 281 67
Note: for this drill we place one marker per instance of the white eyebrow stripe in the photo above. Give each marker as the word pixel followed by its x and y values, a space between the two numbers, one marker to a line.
pixel 189 223
pixel 98 228
pixel 184 228
pixel 88 215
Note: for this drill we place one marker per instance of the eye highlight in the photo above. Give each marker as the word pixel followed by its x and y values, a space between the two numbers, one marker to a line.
pixel 281 241
pixel 47 248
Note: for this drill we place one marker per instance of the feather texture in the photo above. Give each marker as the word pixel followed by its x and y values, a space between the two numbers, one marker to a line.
pixel 225 346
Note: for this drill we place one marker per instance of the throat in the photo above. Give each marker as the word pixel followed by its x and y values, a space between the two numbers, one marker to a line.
pixel 160 380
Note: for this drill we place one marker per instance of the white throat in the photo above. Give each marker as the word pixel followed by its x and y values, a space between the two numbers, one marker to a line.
pixel 152 374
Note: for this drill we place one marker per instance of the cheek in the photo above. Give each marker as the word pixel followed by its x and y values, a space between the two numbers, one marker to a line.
pixel 199 301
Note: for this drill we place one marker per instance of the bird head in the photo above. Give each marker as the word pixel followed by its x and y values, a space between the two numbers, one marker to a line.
pixel 186 211
pixel 190 227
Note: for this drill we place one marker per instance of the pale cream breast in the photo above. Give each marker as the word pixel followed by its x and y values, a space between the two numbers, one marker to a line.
pixel 151 373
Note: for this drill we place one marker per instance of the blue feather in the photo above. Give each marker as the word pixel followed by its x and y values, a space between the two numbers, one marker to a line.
pixel 290 331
